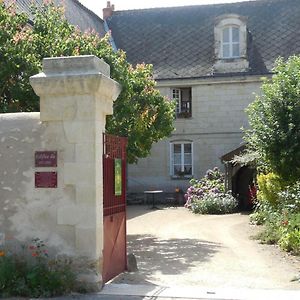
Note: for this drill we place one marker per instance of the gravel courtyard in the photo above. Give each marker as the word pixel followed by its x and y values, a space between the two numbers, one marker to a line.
pixel 174 247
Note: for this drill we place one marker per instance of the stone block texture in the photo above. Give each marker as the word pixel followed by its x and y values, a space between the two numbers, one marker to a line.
pixel 218 114
pixel 76 94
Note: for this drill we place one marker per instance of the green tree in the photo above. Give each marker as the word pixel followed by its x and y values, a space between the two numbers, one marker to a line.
pixel 274 119
pixel 140 112
pixel 17 62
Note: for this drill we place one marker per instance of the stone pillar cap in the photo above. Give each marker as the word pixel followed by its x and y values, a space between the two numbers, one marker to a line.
pixel 84 64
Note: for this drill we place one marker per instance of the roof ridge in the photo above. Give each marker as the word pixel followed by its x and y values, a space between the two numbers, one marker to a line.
pixel 197 5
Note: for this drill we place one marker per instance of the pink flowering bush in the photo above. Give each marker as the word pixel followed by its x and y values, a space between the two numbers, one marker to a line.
pixel 208 195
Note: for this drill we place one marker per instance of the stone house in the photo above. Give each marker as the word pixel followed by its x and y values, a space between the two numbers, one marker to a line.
pixel 210 59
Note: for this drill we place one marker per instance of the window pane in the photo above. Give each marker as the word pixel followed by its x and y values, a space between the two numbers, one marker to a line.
pixel 177 170
pixel 175 94
pixel 236 50
pixel 187 148
pixel 183 106
pixel 185 94
pixel 177 148
pixel 226 35
pixel 226 51
pixel 187 159
pixel 188 169
pixel 235 34
pixel 177 159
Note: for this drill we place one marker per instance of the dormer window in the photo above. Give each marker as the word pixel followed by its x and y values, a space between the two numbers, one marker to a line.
pixel 231 42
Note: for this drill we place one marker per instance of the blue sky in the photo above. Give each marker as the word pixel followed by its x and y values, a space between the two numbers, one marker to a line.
pixel 96 6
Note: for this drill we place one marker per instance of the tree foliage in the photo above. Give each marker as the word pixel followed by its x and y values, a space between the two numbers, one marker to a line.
pixel 274 119
pixel 140 112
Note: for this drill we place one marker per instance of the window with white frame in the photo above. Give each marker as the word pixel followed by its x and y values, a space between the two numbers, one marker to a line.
pixel 183 98
pixel 230 32
pixel 181 154
pixel 231 42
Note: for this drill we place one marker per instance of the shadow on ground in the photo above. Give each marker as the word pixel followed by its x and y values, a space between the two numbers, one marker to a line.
pixel 134 211
pixel 165 256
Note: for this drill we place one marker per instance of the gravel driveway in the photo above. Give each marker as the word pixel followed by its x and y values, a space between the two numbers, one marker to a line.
pixel 174 247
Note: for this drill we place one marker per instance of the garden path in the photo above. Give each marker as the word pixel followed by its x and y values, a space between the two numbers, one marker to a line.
pixel 175 247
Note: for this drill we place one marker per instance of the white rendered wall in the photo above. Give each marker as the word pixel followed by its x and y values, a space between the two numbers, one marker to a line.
pixel 76 94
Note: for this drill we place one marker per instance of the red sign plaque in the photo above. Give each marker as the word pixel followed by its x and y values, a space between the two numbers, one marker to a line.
pixel 45 179
pixel 45 158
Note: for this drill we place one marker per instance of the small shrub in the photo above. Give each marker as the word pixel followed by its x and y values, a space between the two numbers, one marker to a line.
pixel 271 231
pixel 269 187
pixel 290 233
pixel 269 235
pixel 289 199
pixel 258 217
pixel 290 242
pixel 213 203
pixel 263 213
pixel 208 196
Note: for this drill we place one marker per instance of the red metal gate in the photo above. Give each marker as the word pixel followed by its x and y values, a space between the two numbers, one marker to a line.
pixel 114 206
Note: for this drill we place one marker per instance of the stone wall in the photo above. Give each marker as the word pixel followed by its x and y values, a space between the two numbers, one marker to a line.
pixel 218 113
pixel 76 94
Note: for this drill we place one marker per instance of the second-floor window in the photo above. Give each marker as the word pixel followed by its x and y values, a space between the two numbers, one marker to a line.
pixel 183 98
pixel 231 42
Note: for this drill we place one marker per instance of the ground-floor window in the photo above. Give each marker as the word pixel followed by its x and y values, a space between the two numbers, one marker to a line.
pixel 181 154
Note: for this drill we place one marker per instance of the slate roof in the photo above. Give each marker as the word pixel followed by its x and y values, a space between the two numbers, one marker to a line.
pixel 179 41
pixel 75 12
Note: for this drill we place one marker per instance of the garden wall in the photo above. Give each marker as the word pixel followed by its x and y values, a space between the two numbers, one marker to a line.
pixel 51 164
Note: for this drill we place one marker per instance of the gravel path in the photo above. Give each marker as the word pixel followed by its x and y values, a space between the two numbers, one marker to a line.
pixel 174 247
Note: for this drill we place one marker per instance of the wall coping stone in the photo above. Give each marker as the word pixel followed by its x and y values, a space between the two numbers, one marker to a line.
pixel 85 64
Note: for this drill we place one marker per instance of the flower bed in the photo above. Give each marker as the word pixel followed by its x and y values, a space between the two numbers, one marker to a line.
pixel 278 209
pixel 27 271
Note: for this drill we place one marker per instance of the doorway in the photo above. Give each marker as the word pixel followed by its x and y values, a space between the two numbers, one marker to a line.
pixel 242 185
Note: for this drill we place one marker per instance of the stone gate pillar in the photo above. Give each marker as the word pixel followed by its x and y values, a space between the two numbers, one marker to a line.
pixel 76 94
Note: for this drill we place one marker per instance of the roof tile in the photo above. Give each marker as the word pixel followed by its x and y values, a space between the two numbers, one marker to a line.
pixel 75 12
